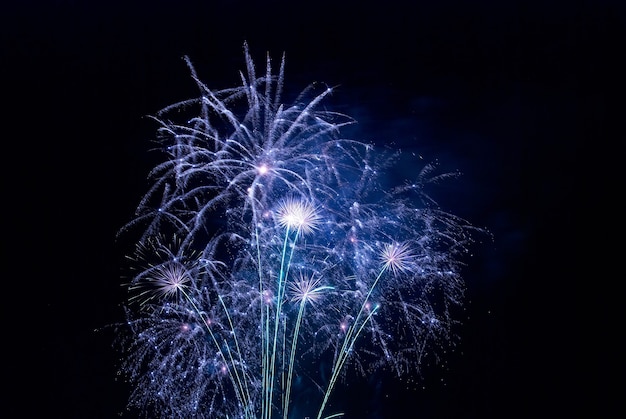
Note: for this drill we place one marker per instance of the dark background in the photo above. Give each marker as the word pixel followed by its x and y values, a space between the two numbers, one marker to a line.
pixel 514 94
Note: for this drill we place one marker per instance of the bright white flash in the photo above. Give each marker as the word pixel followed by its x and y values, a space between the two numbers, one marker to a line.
pixel 296 214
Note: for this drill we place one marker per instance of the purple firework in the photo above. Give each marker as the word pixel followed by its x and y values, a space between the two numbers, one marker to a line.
pixel 266 245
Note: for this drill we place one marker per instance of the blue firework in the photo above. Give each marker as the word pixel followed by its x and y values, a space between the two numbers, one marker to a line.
pixel 265 245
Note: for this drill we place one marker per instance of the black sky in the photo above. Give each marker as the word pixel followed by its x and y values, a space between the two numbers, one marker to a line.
pixel 513 94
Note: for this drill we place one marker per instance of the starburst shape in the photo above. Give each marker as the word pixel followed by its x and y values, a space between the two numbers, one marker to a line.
pixel 307 289
pixel 164 281
pixel 296 214
pixel 397 257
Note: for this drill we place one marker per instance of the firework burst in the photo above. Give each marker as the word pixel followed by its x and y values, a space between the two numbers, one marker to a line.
pixel 397 257
pixel 298 215
pixel 307 290
pixel 285 251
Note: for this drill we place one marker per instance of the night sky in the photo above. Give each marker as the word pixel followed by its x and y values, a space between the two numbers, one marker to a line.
pixel 510 93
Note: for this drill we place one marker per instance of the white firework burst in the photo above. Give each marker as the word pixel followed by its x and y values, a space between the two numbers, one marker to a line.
pixel 299 215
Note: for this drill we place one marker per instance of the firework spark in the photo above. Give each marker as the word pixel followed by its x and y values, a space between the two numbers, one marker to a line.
pixel 298 215
pixel 397 257
pixel 307 290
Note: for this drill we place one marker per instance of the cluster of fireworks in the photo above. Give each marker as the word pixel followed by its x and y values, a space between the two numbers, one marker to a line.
pixel 272 258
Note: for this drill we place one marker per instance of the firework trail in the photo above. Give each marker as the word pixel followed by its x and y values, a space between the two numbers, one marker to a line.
pixel 268 253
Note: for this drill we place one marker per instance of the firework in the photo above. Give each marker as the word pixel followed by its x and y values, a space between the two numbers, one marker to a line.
pixel 265 245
